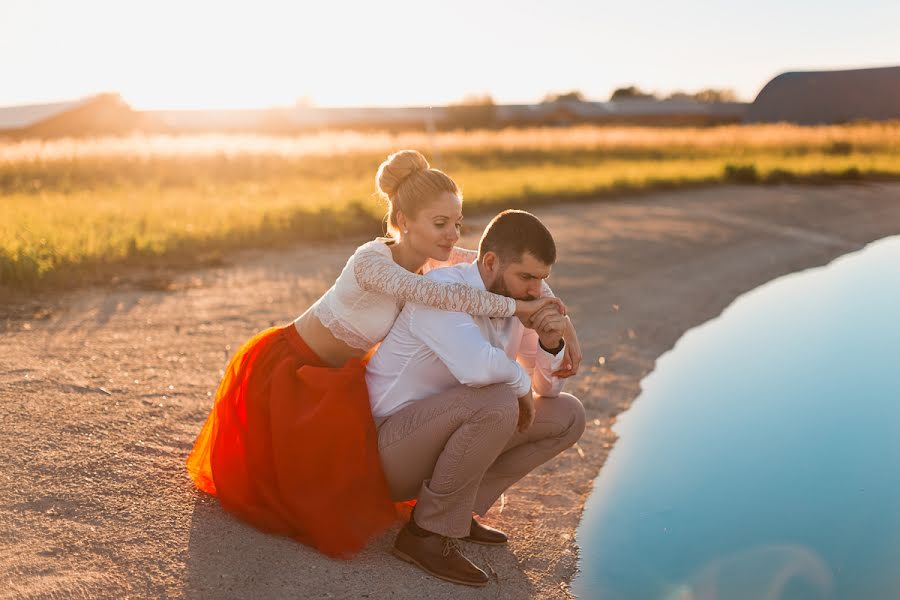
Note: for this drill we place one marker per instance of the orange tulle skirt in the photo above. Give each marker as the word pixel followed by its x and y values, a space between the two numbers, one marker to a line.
pixel 290 446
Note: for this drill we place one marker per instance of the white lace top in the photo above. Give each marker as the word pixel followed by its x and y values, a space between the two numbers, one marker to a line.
pixel 370 292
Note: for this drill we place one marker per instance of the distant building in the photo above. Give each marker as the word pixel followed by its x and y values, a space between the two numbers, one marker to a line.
pixel 823 97
pixel 104 114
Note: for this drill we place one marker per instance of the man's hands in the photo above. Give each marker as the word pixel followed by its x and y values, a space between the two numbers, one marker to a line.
pixel 526 309
pixel 571 355
pixel 550 325
pixel 526 411
pixel 547 316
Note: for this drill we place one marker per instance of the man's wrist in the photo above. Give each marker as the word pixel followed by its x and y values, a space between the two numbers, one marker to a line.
pixel 556 350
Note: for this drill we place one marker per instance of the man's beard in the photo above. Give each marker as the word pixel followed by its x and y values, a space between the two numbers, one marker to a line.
pixel 499 287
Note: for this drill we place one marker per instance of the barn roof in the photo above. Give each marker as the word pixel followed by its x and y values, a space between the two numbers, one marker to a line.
pixel 812 97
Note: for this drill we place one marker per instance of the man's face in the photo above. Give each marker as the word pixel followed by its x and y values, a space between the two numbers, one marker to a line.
pixel 519 280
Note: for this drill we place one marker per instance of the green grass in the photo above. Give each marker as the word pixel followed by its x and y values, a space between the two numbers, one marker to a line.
pixel 82 217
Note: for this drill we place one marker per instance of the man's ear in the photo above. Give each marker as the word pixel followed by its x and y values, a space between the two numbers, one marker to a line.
pixel 491 262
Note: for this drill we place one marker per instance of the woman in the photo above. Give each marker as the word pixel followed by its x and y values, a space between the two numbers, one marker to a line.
pixel 290 444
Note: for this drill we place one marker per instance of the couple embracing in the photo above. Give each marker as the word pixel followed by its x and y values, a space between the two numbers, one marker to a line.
pixel 426 373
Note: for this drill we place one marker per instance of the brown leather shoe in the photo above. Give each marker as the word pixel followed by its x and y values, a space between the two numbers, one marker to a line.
pixel 488 536
pixel 439 556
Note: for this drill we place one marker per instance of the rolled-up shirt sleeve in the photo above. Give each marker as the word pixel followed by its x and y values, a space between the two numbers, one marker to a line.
pixel 540 365
pixel 456 339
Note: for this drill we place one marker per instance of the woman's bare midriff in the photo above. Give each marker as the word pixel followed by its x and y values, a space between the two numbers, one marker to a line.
pixel 320 340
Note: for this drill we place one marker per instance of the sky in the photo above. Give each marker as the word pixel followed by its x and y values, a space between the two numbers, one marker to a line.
pixel 229 54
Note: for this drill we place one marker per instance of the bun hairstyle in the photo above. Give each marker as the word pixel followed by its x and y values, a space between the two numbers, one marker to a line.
pixel 407 182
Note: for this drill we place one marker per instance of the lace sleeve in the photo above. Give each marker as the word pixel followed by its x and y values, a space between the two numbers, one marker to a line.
pixel 464 255
pixel 377 272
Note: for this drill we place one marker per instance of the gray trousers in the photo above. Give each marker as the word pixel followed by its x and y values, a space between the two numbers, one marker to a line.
pixel 457 451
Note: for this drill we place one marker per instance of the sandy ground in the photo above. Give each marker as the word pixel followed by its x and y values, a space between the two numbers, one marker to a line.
pixel 104 389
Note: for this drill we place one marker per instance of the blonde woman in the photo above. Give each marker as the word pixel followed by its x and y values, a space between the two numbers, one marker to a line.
pixel 290 443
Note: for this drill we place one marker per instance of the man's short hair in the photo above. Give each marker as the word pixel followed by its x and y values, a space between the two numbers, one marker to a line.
pixel 512 233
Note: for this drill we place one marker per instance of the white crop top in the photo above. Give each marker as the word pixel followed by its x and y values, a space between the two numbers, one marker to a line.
pixel 362 305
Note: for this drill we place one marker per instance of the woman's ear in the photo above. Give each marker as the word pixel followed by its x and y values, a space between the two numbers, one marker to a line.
pixel 402 223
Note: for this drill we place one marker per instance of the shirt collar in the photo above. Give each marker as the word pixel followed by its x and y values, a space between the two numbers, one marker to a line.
pixel 472 275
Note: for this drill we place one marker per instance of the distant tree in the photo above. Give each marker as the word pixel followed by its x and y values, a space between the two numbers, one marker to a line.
pixel 678 95
pixel 475 100
pixel 573 96
pixel 474 110
pixel 631 93
pixel 716 95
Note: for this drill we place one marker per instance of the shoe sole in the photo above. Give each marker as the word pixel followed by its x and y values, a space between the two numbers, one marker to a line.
pixel 411 560
pixel 474 541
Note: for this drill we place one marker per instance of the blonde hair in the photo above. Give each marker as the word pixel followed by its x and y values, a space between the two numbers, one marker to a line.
pixel 407 182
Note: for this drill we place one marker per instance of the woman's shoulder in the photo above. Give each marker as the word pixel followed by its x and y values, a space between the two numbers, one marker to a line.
pixel 379 245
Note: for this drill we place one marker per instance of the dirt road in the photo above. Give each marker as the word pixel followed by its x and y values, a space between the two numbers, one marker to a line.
pixel 103 390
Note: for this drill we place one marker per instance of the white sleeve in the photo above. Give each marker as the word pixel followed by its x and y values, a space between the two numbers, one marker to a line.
pixel 456 340
pixel 378 272
pixel 540 365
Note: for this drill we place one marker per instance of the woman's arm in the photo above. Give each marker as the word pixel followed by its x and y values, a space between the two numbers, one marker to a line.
pixel 479 303
pixel 377 272
pixel 464 255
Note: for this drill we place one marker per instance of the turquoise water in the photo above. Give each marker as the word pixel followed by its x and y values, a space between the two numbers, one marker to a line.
pixel 762 459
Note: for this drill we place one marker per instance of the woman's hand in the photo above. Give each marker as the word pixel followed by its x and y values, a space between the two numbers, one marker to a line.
pixel 571 354
pixel 527 309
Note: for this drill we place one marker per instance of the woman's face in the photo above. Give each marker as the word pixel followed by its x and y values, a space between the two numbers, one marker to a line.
pixel 435 230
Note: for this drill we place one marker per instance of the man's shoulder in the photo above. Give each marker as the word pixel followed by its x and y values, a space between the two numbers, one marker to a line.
pixel 451 274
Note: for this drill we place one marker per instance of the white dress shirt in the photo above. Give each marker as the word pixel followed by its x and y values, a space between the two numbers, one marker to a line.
pixel 429 350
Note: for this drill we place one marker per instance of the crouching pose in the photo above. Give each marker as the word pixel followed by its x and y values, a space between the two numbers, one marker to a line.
pixel 466 405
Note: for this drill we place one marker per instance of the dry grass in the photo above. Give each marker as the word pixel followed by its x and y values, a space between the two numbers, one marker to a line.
pixel 780 137
pixel 72 208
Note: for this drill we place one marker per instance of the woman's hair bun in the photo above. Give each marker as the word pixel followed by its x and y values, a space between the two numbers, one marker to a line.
pixel 397 168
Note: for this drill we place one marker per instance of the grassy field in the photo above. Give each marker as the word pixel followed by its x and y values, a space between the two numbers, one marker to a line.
pixel 82 210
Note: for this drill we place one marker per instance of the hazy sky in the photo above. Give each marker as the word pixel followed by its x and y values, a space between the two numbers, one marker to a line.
pixel 219 53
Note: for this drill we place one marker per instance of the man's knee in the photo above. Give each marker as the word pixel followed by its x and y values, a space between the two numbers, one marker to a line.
pixel 573 410
pixel 497 403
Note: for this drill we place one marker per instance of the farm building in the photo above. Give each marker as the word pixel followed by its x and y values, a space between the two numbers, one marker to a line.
pixel 95 115
pixel 822 97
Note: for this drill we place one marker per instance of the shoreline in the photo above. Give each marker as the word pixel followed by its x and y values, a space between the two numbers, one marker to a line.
pixel 105 388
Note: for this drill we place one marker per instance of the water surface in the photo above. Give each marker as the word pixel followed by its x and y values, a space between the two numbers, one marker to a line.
pixel 761 459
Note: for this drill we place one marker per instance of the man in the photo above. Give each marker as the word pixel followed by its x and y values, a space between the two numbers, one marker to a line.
pixel 459 419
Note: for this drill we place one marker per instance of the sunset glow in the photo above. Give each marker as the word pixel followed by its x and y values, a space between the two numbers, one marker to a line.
pixel 206 54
